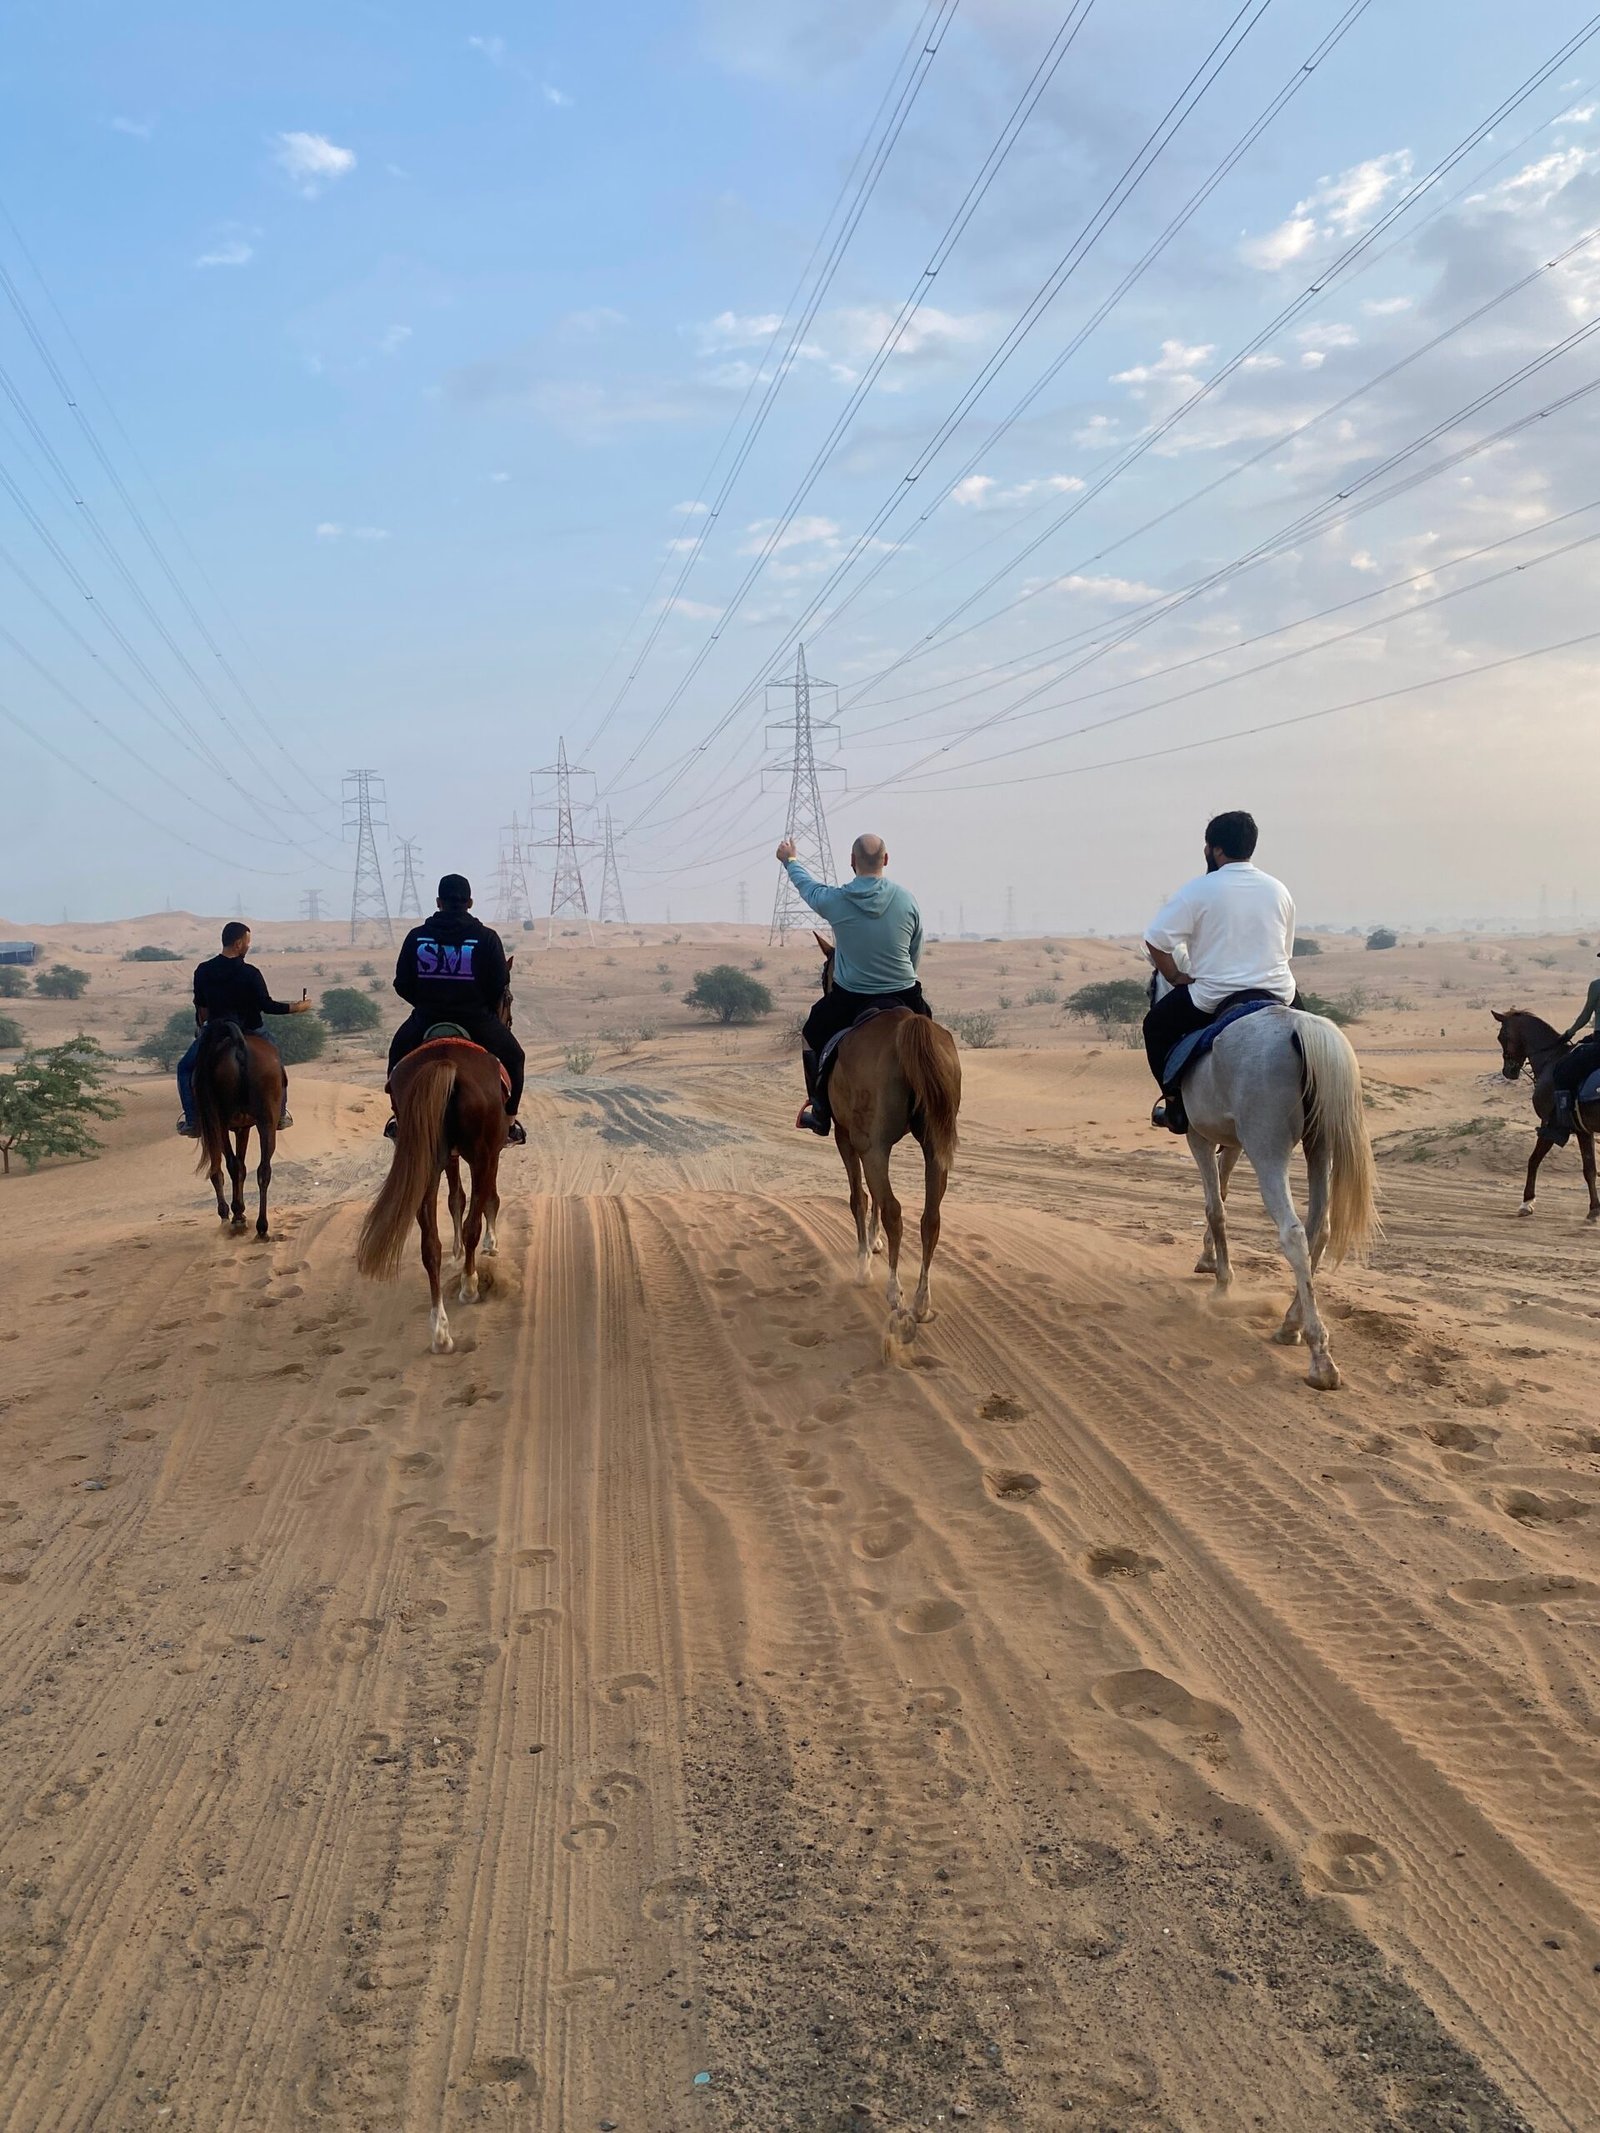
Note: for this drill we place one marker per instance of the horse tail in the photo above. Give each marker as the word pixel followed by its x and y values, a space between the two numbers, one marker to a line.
pixel 218 1041
pixel 929 1060
pixel 414 1170
pixel 1336 1125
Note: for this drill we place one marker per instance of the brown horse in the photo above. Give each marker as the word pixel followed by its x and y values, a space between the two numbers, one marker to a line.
pixel 899 1073
pixel 1526 1041
pixel 449 1103
pixel 238 1084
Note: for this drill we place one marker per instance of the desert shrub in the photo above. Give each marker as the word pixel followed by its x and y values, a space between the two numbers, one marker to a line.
pixel 300 1037
pixel 13 981
pixel 374 984
pixel 1041 996
pixel 346 1011
pixel 758 962
pixel 728 995
pixel 978 1031
pixel 622 1040
pixel 12 1037
pixel 1383 937
pixel 366 970
pixel 1355 1003
pixel 648 1032
pixel 1546 962
pixel 61 982
pixel 151 955
pixel 1304 945
pixel 48 1100
pixel 579 1058
pixel 1113 1002
pixel 167 1045
pixel 1005 1003
pixel 1330 1010
pixel 666 985
pixel 661 970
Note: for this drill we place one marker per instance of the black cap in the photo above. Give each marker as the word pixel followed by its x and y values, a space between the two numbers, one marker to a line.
pixel 454 889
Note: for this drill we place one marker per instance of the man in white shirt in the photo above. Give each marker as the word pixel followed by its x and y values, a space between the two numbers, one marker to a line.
pixel 1233 925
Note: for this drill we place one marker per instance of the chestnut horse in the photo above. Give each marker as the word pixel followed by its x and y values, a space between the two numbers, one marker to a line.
pixel 449 1103
pixel 1526 1041
pixel 899 1073
pixel 238 1084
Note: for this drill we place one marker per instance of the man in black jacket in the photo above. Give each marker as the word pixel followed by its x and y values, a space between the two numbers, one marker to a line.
pixel 228 989
pixel 452 968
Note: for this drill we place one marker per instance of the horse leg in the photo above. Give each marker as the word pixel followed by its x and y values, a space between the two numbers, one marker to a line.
pixel 468 1291
pixel 439 1341
pixel 237 1148
pixel 935 1179
pixel 269 1140
pixel 876 1164
pixel 1586 1150
pixel 859 1204
pixel 216 1182
pixel 458 1201
pixel 1215 1167
pixel 1541 1148
pixel 1301 1319
pixel 491 1210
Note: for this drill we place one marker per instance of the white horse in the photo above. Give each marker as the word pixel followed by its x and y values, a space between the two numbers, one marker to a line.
pixel 1272 1080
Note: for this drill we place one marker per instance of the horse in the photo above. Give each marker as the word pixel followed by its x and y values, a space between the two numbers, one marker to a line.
pixel 449 1104
pixel 238 1084
pixel 898 1073
pixel 1272 1080
pixel 1526 1041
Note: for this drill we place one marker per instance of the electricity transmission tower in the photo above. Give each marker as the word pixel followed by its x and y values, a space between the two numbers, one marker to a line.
pixel 806 823
pixel 311 906
pixel 366 811
pixel 410 904
pixel 612 908
pixel 513 904
pixel 567 894
pixel 744 902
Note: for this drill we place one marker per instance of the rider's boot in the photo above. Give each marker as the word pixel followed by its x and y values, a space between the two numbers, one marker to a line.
pixel 516 1132
pixel 190 1132
pixel 1169 1112
pixel 814 1111
pixel 1562 1119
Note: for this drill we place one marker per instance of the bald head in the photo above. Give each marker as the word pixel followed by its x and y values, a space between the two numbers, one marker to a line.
pixel 868 855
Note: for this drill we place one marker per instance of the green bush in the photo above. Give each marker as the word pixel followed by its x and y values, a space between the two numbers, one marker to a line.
pixel 1330 1010
pixel 1304 945
pixel 346 1011
pixel 167 1045
pixel 151 955
pixel 300 1037
pixel 579 1058
pixel 1041 996
pixel 1113 1001
pixel 728 994
pixel 12 1037
pixel 1383 937
pixel 979 1032
pixel 61 982
pixel 48 1099
pixel 13 981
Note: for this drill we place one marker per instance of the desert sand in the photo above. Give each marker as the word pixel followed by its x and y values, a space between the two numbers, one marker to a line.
pixel 663 1714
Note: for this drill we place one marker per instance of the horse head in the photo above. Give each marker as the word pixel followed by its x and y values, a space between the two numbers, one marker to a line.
pixel 827 961
pixel 1513 1042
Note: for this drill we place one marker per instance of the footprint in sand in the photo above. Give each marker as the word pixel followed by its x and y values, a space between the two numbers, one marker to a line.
pixel 1451 1436
pixel 447 1751
pixel 879 1538
pixel 417 1464
pixel 669 1897
pixel 594 1836
pixel 1145 1697
pixel 350 1436
pixel 526 1558
pixel 1529 1508
pixel 928 1618
pixel 1075 1863
pixel 20 1577
pixel 613 1788
pixel 537 1619
pixel 1000 1407
pixel 834 1409
pixel 1119 1563
pixel 1011 1484
pixel 1530 1591
pixel 621 1686
pixel 226 1939
pixel 596 1984
pixel 61 1797
pixel 1346 1863
pixel 504 2070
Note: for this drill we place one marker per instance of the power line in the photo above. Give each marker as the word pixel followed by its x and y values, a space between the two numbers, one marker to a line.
pixel 365 812
pixel 805 820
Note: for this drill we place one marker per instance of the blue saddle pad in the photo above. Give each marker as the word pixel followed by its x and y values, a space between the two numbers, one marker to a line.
pixel 1590 1092
pixel 1199 1041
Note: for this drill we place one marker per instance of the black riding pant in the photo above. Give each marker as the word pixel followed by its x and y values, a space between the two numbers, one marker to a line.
pixel 480 1025
pixel 1175 1015
pixel 1573 1071
pixel 836 1010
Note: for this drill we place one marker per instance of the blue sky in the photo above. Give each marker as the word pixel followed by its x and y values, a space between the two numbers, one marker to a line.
pixel 428 326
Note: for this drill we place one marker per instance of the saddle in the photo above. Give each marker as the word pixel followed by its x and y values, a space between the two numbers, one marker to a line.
pixel 1590 1092
pixel 830 1051
pixel 1192 1048
pixel 439 1034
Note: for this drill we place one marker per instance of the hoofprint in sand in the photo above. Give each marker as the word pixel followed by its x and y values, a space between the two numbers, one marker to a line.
pixel 1088 1723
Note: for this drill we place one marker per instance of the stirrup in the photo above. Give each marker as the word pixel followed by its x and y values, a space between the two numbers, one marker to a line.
pixel 189 1133
pixel 516 1133
pixel 812 1120
pixel 391 1131
pixel 1169 1112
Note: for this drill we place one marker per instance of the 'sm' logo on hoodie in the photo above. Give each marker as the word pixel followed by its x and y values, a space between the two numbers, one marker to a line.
pixel 443 959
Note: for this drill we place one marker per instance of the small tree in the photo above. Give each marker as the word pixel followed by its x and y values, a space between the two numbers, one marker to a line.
pixel 61 982
pixel 1379 937
pixel 1114 1002
pixel 300 1037
pixel 979 1031
pixel 151 955
pixel 12 1037
pixel 13 982
pixel 728 994
pixel 346 1011
pixel 1305 945
pixel 167 1045
pixel 48 1099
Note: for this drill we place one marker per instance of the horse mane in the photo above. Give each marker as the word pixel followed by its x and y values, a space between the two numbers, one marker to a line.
pixel 1534 1026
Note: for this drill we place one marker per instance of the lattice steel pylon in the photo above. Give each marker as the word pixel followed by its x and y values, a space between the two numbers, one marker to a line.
pixel 613 911
pixel 806 822
pixel 568 897
pixel 410 904
pixel 311 906
pixel 513 903
pixel 366 811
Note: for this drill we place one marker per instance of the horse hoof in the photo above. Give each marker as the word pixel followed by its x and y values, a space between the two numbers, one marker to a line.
pixel 1288 1336
pixel 445 1347
pixel 898 1335
pixel 1205 1266
pixel 863 1276
pixel 238 1229
pixel 467 1295
pixel 1323 1376
pixel 1526 1209
pixel 924 1314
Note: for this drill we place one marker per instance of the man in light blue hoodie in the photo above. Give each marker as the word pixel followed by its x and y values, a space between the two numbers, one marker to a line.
pixel 877 941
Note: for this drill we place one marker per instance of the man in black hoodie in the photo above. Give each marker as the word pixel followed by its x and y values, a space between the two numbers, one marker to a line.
pixel 452 968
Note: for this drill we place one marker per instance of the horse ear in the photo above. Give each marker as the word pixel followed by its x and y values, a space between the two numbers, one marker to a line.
pixel 510 959
pixel 1497 1014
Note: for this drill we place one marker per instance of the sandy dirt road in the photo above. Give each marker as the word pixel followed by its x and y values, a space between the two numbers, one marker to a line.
pixel 1086 1726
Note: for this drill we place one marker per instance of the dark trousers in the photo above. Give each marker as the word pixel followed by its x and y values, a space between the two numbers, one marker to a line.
pixel 1175 1015
pixel 186 1073
pixel 1574 1070
pixel 836 1010
pixel 480 1025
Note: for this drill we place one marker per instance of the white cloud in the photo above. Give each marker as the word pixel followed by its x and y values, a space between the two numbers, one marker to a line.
pixel 982 489
pixel 1386 306
pixel 691 610
pixel 395 339
pixel 1313 359
pixel 682 544
pixel 330 530
pixel 227 252
pixel 598 319
pixel 492 48
pixel 799 533
pixel 973 489
pixel 733 329
pixel 1530 190
pixel 1363 559
pixel 1262 362
pixel 499 476
pixel 1097 434
pixel 311 160
pixel 553 95
pixel 1124 590
pixel 694 510
pixel 1338 207
pixel 1177 360
pixel 135 129
pixel 1332 335
pixel 931 332
pixel 1580 115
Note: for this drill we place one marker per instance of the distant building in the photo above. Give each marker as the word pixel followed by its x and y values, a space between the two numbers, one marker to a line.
pixel 19 952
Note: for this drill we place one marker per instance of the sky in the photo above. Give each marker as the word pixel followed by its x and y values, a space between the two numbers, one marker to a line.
pixel 1118 409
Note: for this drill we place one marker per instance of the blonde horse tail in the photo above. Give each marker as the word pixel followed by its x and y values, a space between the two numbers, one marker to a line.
pixel 1336 1125
pixel 418 1155
pixel 929 1060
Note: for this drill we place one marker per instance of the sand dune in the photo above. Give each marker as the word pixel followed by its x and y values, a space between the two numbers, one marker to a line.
pixel 1087 1725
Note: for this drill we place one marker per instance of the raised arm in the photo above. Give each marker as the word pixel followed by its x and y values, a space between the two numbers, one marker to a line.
pixel 823 899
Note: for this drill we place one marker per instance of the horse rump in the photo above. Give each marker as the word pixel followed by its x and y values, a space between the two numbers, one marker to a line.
pixel 223 1054
pixel 419 1155
pixel 928 1058
pixel 1336 1127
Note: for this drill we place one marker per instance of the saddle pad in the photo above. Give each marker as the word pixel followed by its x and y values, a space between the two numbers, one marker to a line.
pixel 437 1030
pixel 1590 1092
pixel 1199 1041
pixel 431 1043
pixel 830 1049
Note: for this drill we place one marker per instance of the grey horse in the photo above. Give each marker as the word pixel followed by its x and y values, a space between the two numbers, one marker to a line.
pixel 1270 1081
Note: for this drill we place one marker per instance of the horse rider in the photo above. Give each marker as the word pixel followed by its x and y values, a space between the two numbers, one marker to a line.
pixel 453 968
pixel 1570 1073
pixel 228 989
pixel 877 943
pixel 1234 926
